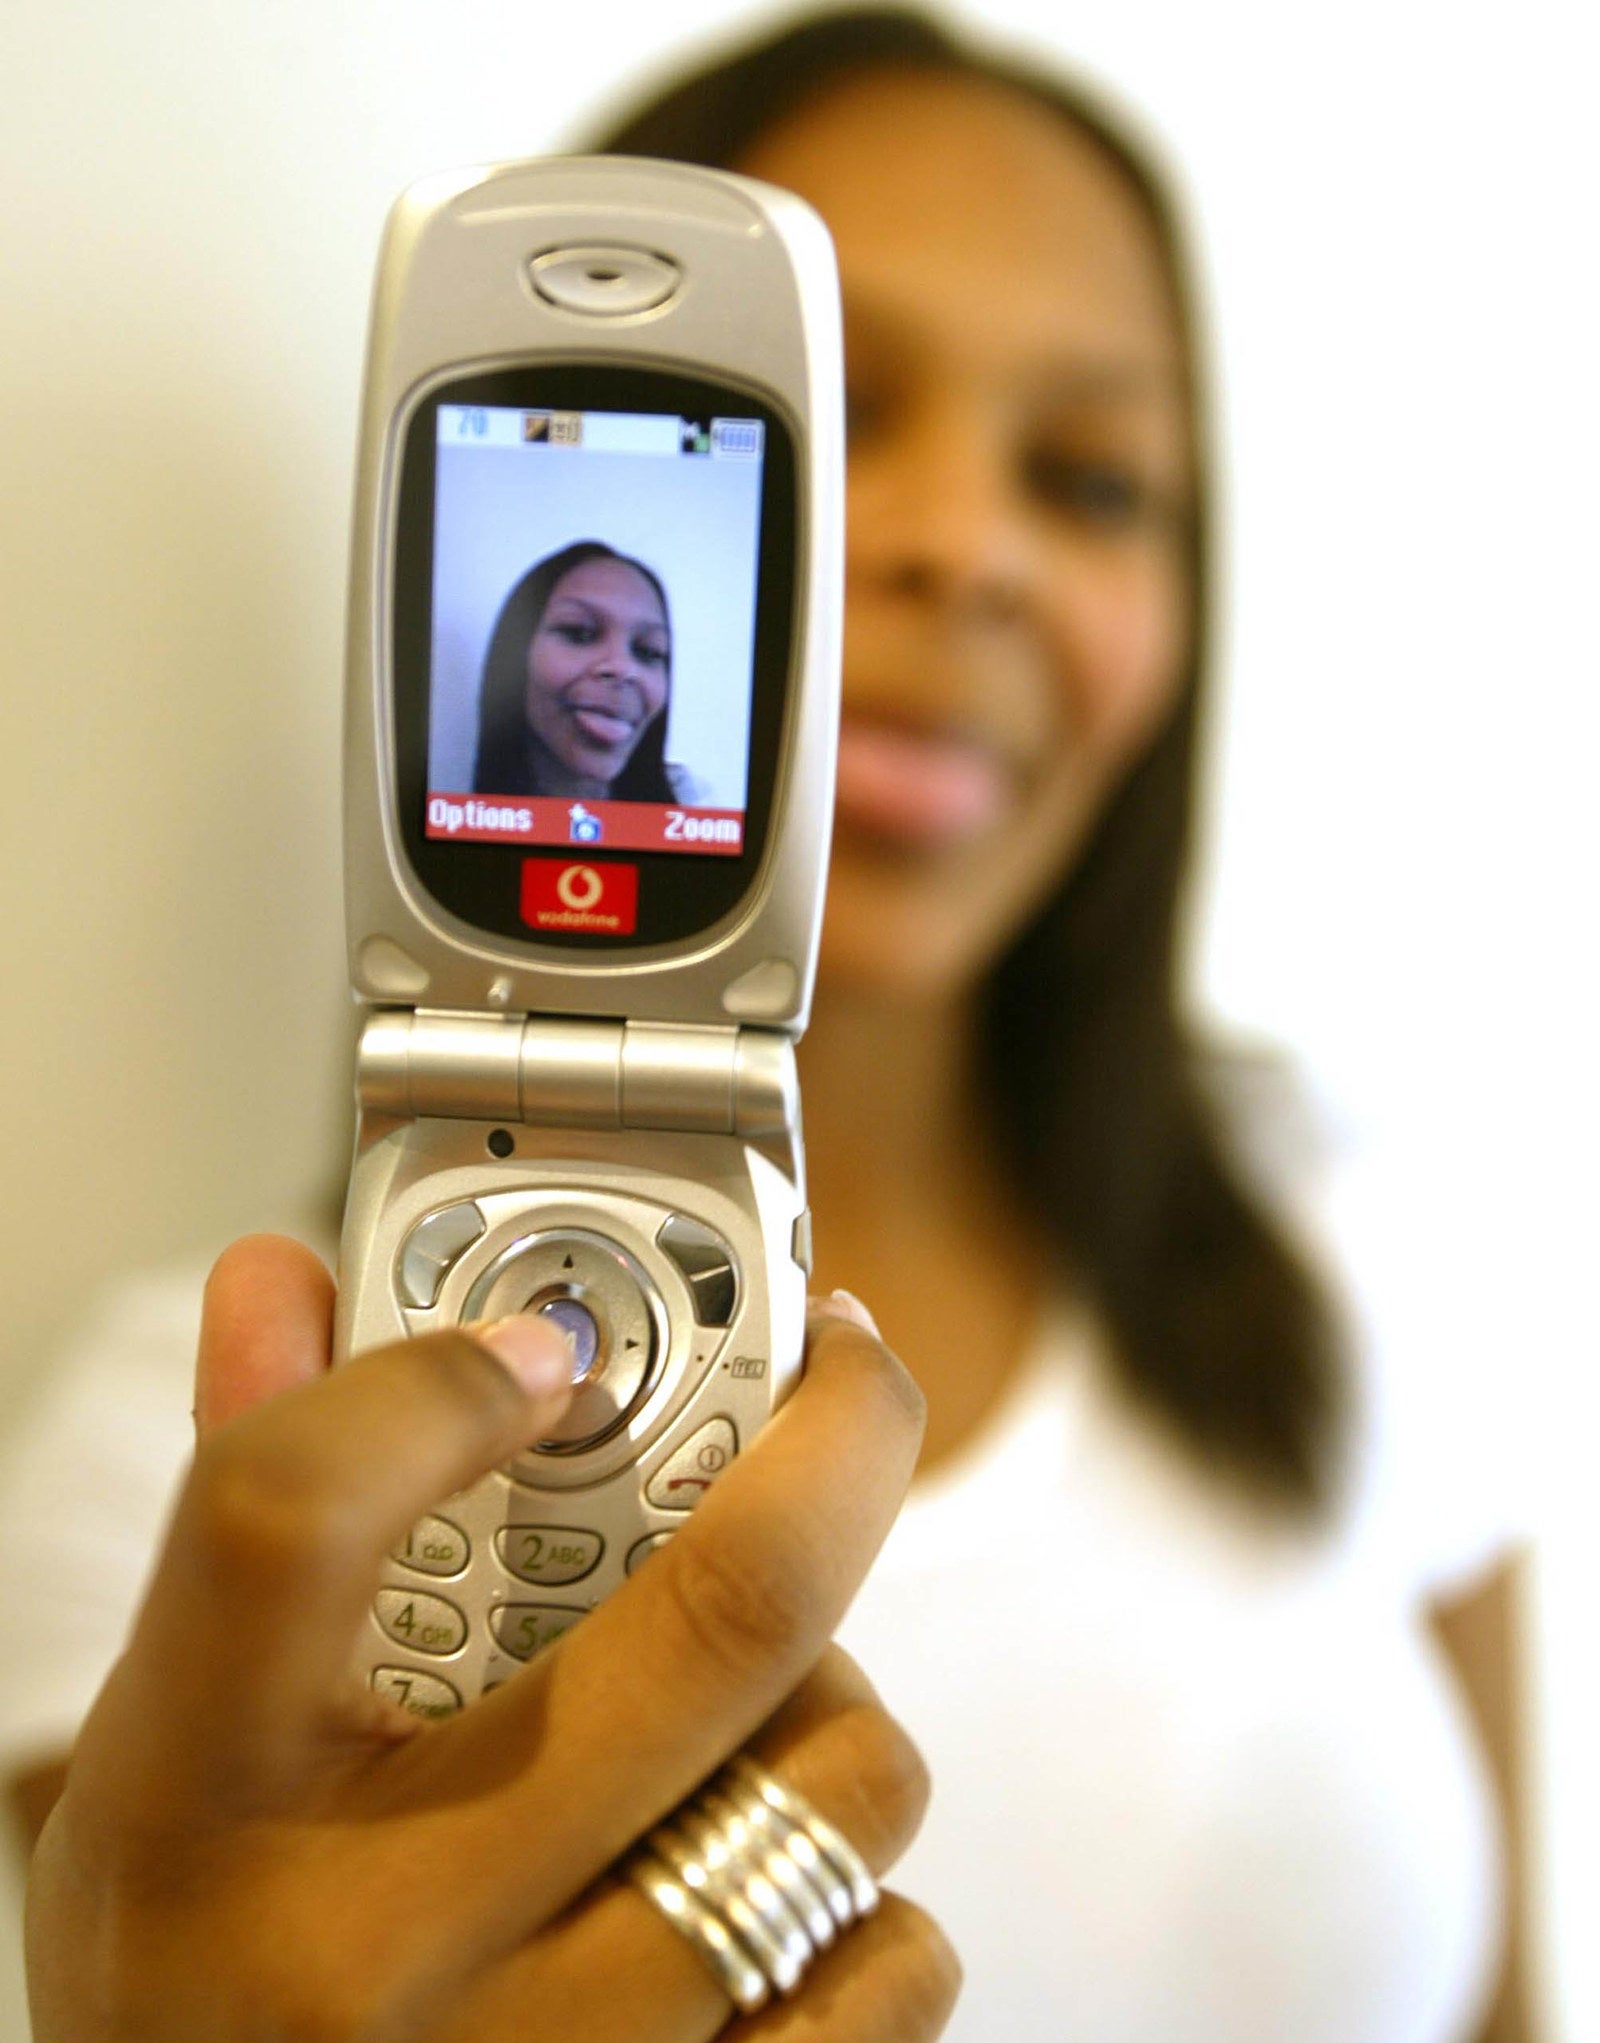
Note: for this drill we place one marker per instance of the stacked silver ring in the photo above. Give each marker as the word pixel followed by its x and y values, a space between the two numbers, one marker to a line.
pixel 756 1879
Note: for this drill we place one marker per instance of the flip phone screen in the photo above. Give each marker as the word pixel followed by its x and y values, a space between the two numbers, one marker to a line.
pixel 591 631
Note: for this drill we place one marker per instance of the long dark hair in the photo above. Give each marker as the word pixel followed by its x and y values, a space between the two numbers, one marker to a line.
pixel 1099 1089
pixel 502 765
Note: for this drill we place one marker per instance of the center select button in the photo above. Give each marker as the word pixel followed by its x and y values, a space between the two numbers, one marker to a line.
pixel 577 1322
pixel 611 1314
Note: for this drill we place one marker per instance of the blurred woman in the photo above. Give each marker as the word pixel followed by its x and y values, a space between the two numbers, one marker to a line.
pixel 1159 1611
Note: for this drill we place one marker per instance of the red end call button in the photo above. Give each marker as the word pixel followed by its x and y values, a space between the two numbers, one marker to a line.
pixel 571 894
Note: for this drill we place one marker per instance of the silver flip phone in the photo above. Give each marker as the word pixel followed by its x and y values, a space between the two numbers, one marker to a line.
pixel 592 712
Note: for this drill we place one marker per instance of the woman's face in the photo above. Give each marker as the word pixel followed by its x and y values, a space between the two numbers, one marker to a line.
pixel 1018 609
pixel 599 662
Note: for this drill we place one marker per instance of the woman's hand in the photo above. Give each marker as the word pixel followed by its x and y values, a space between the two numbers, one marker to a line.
pixel 252 1846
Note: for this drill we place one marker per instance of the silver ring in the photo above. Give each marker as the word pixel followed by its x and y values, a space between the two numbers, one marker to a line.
pixel 740 1870
pixel 755 1878
pixel 757 1846
pixel 771 1931
pixel 740 1977
pixel 834 1846
pixel 801 1848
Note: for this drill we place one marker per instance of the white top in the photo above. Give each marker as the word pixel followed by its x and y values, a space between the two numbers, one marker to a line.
pixel 1195 1781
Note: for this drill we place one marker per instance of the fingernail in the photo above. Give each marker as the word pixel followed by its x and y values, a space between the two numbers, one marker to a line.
pixel 845 1305
pixel 535 1352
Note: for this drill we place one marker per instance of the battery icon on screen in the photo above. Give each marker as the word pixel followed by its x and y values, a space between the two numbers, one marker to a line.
pixel 738 439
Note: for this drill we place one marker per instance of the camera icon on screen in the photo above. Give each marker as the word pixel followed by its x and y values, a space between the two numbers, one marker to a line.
pixel 583 826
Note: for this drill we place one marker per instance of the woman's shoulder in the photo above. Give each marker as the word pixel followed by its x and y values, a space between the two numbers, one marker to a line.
pixel 1438 1464
pixel 1281 1132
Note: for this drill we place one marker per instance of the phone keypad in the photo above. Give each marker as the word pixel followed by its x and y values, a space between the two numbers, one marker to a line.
pixel 629 1294
pixel 424 1695
pixel 548 1554
pixel 434 1546
pixel 427 1624
pixel 523 1629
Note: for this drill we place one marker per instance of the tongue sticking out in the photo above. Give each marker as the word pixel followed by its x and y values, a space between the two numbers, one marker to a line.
pixel 927 791
pixel 601 727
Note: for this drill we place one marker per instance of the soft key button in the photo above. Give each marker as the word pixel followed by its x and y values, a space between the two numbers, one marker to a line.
pixel 431 1247
pixel 548 1554
pixel 424 1695
pixel 685 1476
pixel 427 1624
pixel 523 1629
pixel 707 1265
pixel 434 1546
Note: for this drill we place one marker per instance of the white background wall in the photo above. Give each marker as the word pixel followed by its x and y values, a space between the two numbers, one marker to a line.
pixel 1396 199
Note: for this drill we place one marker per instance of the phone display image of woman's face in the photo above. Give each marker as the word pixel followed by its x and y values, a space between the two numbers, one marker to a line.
pixel 599 666
pixel 592 623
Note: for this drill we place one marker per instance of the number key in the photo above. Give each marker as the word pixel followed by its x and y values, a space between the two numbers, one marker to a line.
pixel 523 1629
pixel 427 1624
pixel 548 1554
pixel 424 1695
pixel 434 1546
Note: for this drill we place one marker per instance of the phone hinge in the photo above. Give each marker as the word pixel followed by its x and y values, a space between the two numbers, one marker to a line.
pixel 555 1073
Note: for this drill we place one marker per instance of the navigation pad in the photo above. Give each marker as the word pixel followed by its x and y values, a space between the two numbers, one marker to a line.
pixel 586 1283
pixel 594 1291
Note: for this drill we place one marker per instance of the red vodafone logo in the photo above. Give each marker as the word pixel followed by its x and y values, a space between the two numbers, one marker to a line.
pixel 572 894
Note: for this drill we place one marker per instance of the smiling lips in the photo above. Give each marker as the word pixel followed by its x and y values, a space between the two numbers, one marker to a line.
pixel 924 789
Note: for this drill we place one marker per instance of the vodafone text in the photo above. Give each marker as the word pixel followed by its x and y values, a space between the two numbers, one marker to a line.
pixel 603 899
